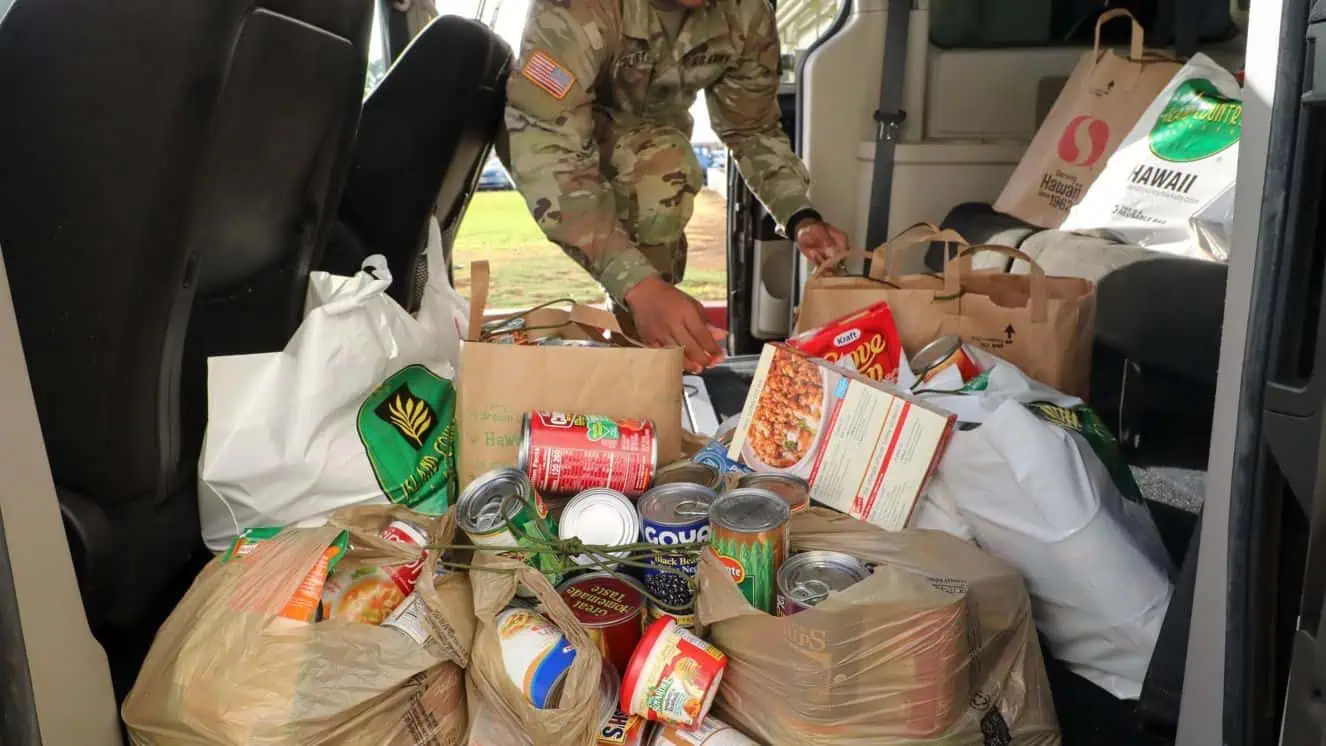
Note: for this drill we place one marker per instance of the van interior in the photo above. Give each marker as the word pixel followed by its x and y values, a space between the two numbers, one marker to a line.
pixel 171 172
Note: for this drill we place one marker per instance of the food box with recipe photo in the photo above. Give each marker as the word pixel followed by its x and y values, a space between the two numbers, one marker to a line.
pixel 866 448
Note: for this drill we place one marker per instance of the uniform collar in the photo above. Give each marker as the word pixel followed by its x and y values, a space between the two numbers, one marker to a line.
pixel 639 21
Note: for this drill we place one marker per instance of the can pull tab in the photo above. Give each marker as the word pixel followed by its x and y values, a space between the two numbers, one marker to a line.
pixel 691 509
pixel 810 591
pixel 489 515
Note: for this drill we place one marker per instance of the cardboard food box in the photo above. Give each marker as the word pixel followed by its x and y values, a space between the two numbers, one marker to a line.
pixel 866 448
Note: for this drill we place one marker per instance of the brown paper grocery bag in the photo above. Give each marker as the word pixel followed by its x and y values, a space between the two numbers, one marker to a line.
pixel 219 672
pixel 498 383
pixel 1103 99
pixel 937 645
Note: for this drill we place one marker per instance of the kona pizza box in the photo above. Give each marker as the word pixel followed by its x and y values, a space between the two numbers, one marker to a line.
pixel 866 448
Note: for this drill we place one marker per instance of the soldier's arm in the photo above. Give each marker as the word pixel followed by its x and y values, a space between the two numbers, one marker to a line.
pixel 743 110
pixel 553 157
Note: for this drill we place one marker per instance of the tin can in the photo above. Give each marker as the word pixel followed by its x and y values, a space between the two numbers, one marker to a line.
pixel 790 487
pixel 535 653
pixel 406 533
pixel 670 514
pixel 683 616
pixel 807 578
pixel 689 472
pixel 568 453
pixel 945 352
pixel 622 729
pixel 749 533
pixel 612 610
pixel 711 732
pixel 673 676
pixel 601 516
pixel 499 499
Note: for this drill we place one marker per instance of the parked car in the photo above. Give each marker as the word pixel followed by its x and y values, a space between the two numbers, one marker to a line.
pixel 494 177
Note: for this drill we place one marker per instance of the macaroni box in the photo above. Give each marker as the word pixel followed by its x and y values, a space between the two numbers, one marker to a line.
pixel 866 448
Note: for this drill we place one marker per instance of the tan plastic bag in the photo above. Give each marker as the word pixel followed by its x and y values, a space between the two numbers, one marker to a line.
pixel 219 672
pixel 1104 97
pixel 1042 324
pixel 936 647
pixel 501 382
pixel 500 713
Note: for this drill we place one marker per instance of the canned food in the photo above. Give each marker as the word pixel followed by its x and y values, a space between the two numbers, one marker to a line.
pixel 790 487
pixel 711 732
pixel 535 653
pixel 670 514
pixel 492 504
pixel 673 676
pixel 749 532
pixel 945 352
pixel 619 728
pixel 411 535
pixel 807 578
pixel 689 472
pixel 568 453
pixel 612 610
pixel 600 516
pixel 683 616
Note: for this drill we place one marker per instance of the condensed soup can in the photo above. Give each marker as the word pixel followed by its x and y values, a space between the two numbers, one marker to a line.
pixel 749 532
pixel 689 472
pixel 790 487
pixel 943 353
pixel 807 578
pixel 672 514
pixel 673 676
pixel 566 454
pixel 601 516
pixel 612 610
pixel 535 653
pixel 711 732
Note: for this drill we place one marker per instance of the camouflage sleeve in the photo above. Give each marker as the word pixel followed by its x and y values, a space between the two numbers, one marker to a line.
pixel 743 109
pixel 553 157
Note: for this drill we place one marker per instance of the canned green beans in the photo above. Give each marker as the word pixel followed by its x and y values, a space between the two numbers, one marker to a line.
pixel 749 533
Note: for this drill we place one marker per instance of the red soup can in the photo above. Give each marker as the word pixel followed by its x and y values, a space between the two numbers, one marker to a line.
pixel 569 453
pixel 945 352
pixel 612 610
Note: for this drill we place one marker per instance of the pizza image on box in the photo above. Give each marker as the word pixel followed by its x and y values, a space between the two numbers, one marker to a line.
pixel 866 448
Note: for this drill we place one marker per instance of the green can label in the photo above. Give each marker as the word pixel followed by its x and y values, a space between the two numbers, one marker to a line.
pixel 408 428
pixel 753 560
pixel 1198 122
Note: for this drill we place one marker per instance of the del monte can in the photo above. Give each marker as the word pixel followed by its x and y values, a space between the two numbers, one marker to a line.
pixel 749 533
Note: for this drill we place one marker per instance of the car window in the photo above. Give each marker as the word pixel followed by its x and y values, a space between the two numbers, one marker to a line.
pixel 801 23
pixel 1005 23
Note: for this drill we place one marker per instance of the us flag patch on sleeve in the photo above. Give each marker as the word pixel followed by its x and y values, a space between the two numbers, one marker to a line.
pixel 548 74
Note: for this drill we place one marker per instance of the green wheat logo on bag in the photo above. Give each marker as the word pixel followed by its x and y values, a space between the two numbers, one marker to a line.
pixel 408 429
pixel 1198 122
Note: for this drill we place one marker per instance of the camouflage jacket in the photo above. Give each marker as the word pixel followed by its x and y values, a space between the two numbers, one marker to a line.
pixel 589 65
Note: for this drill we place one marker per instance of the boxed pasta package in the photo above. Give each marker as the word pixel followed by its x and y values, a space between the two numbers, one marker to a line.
pixel 866 448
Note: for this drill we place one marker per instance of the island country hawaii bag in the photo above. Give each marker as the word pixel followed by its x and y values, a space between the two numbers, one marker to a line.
pixel 1041 324
pixel 1180 158
pixel 358 409
pixel 1100 103
pixel 501 382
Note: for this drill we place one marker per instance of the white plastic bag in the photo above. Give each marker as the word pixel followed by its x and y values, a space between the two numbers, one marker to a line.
pixel 1212 228
pixel 1038 496
pixel 358 409
pixel 1178 158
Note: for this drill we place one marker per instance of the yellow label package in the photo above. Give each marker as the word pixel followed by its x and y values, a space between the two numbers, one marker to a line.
pixel 864 447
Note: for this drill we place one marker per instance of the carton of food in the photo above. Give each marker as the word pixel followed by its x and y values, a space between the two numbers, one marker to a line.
pixel 866 448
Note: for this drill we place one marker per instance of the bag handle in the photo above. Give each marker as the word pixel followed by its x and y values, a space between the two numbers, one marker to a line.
pixel 954 270
pixel 480 279
pixel 1135 47
pixel 884 264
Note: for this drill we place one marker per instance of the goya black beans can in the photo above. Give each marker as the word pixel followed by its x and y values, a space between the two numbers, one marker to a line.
pixel 808 578
pixel 671 514
pixel 749 531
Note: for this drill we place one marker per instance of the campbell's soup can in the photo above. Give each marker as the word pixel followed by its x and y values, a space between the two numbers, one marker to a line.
pixel 710 732
pixel 535 653
pixel 568 453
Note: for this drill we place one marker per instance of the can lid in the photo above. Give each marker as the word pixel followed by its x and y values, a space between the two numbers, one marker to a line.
pixel 484 505
pixel 790 487
pixel 600 599
pixel 749 509
pixel 677 504
pixel 934 353
pixel 600 516
pixel 635 669
pixel 417 536
pixel 522 452
pixel 810 577
pixel 687 472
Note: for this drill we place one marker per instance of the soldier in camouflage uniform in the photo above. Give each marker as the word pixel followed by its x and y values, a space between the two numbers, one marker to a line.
pixel 599 142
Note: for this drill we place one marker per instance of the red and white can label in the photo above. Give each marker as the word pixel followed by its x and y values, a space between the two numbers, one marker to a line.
pixel 569 453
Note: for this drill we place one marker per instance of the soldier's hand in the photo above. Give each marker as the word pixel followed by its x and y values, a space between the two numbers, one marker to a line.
pixel 667 317
pixel 819 241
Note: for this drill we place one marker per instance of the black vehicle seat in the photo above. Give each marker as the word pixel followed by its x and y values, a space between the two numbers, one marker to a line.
pixel 167 168
pixel 423 137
